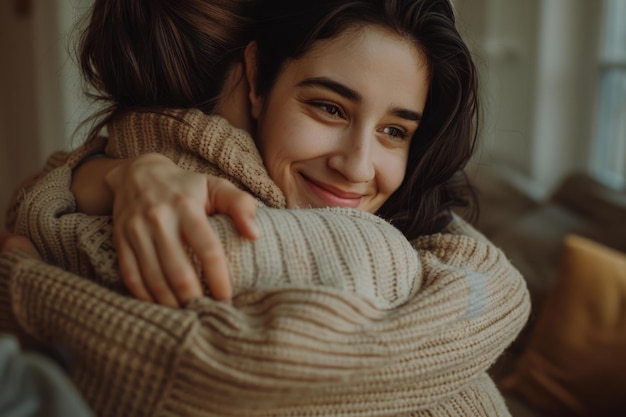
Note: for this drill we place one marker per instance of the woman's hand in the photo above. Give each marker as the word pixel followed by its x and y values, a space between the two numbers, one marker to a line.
pixel 160 208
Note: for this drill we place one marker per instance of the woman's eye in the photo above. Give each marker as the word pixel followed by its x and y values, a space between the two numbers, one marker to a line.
pixel 395 132
pixel 331 109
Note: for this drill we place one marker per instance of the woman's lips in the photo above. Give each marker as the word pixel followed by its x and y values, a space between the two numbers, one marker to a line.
pixel 333 196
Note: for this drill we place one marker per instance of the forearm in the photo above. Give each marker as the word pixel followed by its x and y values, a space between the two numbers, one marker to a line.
pixel 295 346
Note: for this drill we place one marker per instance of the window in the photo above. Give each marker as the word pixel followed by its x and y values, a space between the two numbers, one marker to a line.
pixel 609 150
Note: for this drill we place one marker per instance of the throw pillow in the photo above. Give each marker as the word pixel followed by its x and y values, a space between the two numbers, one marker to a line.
pixel 575 360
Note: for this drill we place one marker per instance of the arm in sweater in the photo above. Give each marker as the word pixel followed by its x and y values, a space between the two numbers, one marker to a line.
pixel 56 160
pixel 289 346
pixel 470 306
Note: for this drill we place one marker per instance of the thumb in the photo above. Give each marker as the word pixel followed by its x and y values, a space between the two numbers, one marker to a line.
pixel 225 198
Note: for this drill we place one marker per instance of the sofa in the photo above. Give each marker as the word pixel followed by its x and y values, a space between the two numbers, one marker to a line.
pixel 570 245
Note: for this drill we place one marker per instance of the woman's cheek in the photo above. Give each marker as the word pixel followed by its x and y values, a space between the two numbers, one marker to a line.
pixel 393 171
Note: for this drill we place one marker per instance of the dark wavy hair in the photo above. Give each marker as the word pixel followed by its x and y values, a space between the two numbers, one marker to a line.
pixel 151 54
pixel 445 140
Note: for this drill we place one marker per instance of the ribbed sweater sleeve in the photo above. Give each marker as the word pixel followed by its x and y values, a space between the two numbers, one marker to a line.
pixel 292 350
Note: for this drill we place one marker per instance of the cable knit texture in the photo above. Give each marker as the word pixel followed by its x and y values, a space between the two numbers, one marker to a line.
pixel 335 312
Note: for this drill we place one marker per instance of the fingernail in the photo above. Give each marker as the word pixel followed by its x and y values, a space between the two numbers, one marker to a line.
pixel 254 228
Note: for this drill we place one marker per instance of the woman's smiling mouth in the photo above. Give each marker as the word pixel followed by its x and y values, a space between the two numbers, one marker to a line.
pixel 332 196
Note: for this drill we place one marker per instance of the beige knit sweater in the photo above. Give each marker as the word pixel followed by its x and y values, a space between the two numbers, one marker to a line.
pixel 335 313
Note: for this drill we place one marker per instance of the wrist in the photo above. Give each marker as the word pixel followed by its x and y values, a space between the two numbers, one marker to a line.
pixel 136 168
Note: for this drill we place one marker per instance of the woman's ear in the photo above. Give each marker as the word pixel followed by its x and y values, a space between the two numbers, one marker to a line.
pixel 250 60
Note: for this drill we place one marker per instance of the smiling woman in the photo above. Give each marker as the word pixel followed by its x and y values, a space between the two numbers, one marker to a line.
pixel 412 59
pixel 336 127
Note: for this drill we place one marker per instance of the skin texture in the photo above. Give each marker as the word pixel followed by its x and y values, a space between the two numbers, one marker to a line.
pixel 335 128
pixel 162 208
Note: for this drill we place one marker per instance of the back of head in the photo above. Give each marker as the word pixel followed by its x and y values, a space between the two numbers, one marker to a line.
pixel 162 53
pixel 446 137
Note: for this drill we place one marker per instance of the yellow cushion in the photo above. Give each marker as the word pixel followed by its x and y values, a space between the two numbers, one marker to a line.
pixel 575 361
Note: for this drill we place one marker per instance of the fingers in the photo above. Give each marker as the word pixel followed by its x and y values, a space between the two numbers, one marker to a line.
pixel 239 205
pixel 152 258
pixel 153 261
pixel 131 275
pixel 175 264
pixel 160 211
pixel 150 270
pixel 205 244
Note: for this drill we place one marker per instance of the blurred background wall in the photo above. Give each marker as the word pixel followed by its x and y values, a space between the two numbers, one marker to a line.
pixel 552 71
pixel 41 101
pixel 543 64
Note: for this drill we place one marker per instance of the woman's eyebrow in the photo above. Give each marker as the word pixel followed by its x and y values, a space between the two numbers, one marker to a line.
pixel 329 84
pixel 406 114
pixel 352 95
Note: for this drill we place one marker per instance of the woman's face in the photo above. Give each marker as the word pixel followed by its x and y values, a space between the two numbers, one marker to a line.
pixel 335 128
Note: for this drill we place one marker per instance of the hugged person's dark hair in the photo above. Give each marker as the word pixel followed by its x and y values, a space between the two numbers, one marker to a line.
pixel 446 137
pixel 138 54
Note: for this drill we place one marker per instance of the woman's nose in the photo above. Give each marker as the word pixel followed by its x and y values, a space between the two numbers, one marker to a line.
pixel 353 158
